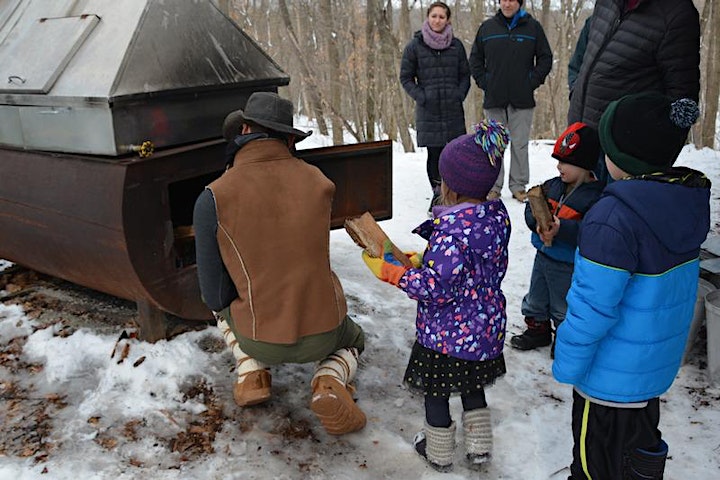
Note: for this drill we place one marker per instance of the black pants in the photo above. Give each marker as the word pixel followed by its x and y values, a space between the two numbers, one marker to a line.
pixel 437 409
pixel 616 443
pixel 433 169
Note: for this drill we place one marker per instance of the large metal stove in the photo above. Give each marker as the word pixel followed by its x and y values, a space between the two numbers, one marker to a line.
pixel 110 118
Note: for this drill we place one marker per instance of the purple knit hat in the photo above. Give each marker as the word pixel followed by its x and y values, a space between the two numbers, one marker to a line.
pixel 470 164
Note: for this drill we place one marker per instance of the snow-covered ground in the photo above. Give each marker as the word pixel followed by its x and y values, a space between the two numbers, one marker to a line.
pixel 146 416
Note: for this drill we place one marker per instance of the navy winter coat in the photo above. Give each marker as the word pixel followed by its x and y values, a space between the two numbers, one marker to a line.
pixel 655 47
pixel 438 81
pixel 570 210
pixel 509 61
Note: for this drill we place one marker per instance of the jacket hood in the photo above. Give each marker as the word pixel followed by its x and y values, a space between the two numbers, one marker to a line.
pixel 681 194
pixel 512 22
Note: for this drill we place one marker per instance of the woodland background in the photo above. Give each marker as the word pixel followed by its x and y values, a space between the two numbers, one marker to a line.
pixel 344 59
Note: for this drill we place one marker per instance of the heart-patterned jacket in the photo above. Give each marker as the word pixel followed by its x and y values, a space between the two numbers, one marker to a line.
pixel 461 307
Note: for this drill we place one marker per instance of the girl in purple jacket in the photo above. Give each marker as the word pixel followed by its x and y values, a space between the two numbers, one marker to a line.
pixel 461 308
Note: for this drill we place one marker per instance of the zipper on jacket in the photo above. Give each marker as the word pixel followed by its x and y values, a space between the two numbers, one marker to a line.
pixel 606 41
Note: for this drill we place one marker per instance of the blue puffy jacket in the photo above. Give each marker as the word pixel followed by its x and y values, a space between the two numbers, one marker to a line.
pixel 634 286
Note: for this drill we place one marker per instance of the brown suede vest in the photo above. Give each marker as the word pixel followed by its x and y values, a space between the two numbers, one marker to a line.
pixel 274 237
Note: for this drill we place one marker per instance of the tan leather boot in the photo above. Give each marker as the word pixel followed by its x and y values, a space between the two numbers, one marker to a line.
pixel 334 406
pixel 252 388
pixel 253 380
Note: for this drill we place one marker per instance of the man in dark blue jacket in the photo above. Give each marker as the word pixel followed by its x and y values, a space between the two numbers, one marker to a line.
pixel 510 58
pixel 633 289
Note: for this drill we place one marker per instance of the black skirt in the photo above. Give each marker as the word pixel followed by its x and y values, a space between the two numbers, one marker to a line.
pixel 439 375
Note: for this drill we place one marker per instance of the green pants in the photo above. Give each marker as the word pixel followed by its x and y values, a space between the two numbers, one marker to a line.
pixel 312 348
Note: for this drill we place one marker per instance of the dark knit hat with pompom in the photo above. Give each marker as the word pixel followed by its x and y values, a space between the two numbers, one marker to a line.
pixel 644 132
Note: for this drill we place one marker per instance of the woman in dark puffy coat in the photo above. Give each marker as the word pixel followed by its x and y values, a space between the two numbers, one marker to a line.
pixel 435 73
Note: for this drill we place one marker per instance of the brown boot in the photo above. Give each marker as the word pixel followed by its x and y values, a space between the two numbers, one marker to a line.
pixel 252 388
pixel 334 406
pixel 520 196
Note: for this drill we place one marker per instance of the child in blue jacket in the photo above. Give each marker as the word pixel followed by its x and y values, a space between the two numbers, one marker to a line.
pixel 633 290
pixel 570 195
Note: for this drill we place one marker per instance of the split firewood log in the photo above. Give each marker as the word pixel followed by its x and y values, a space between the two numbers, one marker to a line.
pixel 367 234
pixel 540 209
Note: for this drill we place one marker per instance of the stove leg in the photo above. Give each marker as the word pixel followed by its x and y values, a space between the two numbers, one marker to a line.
pixel 152 321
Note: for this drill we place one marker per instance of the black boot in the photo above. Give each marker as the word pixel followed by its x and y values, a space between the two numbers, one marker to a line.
pixel 538 334
pixel 647 464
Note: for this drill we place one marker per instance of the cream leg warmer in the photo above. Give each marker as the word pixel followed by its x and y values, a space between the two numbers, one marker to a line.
pixel 478 435
pixel 440 446
pixel 342 365
pixel 244 363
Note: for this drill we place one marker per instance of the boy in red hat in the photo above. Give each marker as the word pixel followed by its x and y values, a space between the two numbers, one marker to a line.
pixel 570 195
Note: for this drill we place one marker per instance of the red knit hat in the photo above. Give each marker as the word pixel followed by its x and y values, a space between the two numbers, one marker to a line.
pixel 578 145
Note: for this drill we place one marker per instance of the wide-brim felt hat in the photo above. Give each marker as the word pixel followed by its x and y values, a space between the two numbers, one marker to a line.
pixel 266 109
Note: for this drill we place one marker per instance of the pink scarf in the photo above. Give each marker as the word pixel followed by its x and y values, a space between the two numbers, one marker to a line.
pixel 435 40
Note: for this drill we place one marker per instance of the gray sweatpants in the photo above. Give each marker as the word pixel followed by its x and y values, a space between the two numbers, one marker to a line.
pixel 518 121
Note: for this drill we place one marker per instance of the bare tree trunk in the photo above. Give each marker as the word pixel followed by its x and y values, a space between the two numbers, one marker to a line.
pixel 705 14
pixel 308 79
pixel 476 96
pixel 406 33
pixel 712 79
pixel 371 17
pixel 333 69
pixel 547 94
pixel 392 56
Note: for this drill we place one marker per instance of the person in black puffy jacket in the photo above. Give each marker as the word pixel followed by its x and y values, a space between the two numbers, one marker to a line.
pixel 510 58
pixel 636 46
pixel 434 71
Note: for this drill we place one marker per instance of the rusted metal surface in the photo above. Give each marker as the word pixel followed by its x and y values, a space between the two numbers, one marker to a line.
pixel 362 174
pixel 121 225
